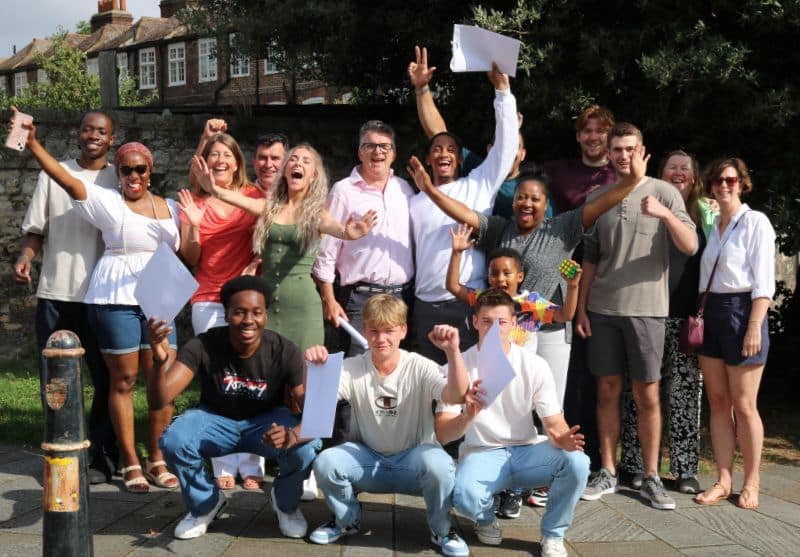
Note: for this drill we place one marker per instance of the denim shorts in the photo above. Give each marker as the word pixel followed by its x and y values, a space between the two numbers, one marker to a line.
pixel 726 318
pixel 122 329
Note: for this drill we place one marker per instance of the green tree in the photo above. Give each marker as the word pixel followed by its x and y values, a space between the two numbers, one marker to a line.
pixel 83 27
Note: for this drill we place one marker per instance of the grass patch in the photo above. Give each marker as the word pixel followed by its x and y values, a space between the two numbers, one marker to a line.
pixel 22 417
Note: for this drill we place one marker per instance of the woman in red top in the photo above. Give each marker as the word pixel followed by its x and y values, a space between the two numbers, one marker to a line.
pixel 216 242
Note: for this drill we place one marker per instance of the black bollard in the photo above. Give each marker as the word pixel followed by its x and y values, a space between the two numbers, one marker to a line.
pixel 65 530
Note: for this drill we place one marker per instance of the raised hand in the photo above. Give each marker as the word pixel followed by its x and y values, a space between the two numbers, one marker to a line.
pixel 30 127
pixel 418 72
pixel 461 237
pixel 214 126
pixel 639 160
pixel 358 228
pixel 569 440
pixel 194 214
pixel 205 179
pixel 497 78
pixel 420 176
pixel 444 337
pixel 576 279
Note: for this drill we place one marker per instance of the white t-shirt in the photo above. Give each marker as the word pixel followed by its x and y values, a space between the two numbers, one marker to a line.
pixel 508 421
pixel 130 240
pixel 392 413
pixel 71 245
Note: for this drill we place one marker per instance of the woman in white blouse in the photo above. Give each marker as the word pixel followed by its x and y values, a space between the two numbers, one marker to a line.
pixel 133 223
pixel 736 341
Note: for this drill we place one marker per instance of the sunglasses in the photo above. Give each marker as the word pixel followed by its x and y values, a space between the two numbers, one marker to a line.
pixel 140 169
pixel 730 180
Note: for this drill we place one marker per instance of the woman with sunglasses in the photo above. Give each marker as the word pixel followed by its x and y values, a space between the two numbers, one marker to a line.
pixel 737 273
pixel 287 238
pixel 216 243
pixel 133 222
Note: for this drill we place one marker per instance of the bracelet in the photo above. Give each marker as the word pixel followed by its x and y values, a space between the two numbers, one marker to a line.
pixel 422 90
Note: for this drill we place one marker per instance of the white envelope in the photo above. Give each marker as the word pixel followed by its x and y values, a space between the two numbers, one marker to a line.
pixel 322 389
pixel 164 285
pixel 494 369
pixel 474 50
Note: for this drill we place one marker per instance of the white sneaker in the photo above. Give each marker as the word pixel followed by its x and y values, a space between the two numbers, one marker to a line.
pixel 452 545
pixel 195 526
pixel 490 534
pixel 309 488
pixel 553 547
pixel 293 524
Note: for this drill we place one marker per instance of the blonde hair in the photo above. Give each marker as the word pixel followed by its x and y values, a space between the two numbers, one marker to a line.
pixel 311 209
pixel 693 203
pixel 384 310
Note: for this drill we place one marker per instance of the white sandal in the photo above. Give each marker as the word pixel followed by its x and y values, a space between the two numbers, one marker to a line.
pixel 132 485
pixel 165 479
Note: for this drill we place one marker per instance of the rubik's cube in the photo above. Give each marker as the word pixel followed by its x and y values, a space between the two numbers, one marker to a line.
pixel 568 268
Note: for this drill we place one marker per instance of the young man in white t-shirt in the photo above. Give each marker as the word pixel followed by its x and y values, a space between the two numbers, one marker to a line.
pixel 390 392
pixel 501 448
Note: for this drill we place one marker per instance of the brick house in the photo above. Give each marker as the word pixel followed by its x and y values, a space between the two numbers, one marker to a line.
pixel 163 55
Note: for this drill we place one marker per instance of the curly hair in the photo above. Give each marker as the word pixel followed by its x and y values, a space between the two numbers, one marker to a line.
pixel 313 203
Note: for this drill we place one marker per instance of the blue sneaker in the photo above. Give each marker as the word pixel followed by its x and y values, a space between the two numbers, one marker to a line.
pixel 330 532
pixel 452 545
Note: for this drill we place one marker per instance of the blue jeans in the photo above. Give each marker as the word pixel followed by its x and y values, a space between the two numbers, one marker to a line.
pixel 425 469
pixel 481 474
pixel 198 434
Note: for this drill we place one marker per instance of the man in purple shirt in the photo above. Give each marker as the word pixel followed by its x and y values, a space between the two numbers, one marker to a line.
pixel 570 182
pixel 382 261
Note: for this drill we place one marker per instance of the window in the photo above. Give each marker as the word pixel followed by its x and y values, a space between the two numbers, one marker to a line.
pixel 41 76
pixel 4 84
pixel 92 66
pixel 20 82
pixel 122 67
pixel 240 65
pixel 176 55
pixel 270 63
pixel 207 60
pixel 147 68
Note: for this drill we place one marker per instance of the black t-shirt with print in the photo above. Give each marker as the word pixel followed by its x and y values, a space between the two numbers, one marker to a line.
pixel 240 388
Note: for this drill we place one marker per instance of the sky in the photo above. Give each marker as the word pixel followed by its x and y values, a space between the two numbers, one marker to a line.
pixel 24 20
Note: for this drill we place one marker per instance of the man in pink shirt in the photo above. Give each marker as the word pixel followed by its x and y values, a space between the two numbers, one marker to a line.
pixel 382 261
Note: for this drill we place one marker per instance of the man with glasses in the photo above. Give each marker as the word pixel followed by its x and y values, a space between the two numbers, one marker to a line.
pixel 270 151
pixel 382 261
pixel 431 226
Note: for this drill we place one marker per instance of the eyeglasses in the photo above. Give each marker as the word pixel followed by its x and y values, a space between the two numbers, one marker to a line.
pixel 370 147
pixel 730 180
pixel 140 169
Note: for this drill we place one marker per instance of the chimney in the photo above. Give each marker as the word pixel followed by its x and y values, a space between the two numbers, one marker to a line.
pixel 170 7
pixel 111 11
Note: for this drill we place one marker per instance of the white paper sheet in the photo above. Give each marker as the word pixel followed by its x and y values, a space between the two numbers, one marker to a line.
pixel 322 387
pixel 164 285
pixel 355 335
pixel 494 369
pixel 474 50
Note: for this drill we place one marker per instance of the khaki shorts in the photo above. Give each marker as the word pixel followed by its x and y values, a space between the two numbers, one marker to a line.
pixel 626 345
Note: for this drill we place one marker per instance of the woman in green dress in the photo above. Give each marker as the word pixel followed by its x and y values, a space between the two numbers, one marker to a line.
pixel 287 238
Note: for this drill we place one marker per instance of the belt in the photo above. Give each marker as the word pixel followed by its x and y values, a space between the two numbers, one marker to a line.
pixel 370 288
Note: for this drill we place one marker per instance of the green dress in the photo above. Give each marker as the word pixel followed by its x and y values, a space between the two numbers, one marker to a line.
pixel 296 309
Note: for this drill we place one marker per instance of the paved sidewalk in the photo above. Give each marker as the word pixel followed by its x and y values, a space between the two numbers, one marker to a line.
pixel 619 525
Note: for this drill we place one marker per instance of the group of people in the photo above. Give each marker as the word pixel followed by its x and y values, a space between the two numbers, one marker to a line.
pixel 485 243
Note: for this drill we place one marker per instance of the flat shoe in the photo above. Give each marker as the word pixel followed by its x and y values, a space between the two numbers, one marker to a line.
pixel 137 484
pixel 748 498
pixel 713 495
pixel 165 479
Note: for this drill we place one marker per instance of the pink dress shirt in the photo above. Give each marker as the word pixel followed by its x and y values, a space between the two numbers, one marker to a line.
pixel 384 256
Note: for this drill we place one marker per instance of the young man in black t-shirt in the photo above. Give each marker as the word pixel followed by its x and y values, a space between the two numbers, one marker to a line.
pixel 243 370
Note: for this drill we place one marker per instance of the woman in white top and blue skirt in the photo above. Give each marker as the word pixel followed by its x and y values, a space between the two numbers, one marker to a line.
pixel 736 340
pixel 133 222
